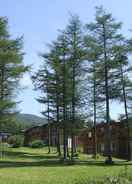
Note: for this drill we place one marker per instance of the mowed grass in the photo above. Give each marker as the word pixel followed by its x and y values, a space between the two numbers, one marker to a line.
pixel 35 166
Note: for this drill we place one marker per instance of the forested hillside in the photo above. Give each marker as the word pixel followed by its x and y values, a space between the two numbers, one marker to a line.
pixel 21 122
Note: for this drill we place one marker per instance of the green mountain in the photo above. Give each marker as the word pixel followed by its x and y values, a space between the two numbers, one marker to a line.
pixel 21 122
pixel 29 120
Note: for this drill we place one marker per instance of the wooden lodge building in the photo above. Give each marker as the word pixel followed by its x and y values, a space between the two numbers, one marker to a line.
pixel 119 139
pixel 42 133
pixel 85 139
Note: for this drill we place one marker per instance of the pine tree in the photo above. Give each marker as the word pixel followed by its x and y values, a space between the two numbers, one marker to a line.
pixel 105 32
pixel 74 38
pixel 123 74
pixel 62 44
pixel 41 81
pixel 93 84
pixel 11 71
pixel 56 95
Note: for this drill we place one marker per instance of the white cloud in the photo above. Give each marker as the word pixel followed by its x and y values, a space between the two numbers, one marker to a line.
pixel 26 81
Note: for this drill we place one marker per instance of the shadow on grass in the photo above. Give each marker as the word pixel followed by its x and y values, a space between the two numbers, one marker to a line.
pixel 48 160
pixel 58 163
pixel 26 155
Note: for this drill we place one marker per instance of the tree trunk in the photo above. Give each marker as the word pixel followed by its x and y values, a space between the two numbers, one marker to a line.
pixel 64 112
pixel 95 137
pixel 126 115
pixel 48 111
pixel 73 113
pixel 49 139
pixel 58 142
pixel 64 144
pixel 108 134
pixel 68 155
pixel 58 117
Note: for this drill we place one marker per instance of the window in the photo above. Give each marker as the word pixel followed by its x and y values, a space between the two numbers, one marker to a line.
pixel 113 147
pixel 69 142
pixel 102 129
pixel 102 147
pixel 89 134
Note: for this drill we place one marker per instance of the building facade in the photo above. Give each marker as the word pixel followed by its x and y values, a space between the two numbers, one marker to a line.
pixel 119 139
pixel 42 133
pixel 85 139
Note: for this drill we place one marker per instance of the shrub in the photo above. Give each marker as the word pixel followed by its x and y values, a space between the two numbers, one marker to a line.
pixel 16 141
pixel 76 155
pixel 98 156
pixel 80 149
pixel 4 145
pixel 37 144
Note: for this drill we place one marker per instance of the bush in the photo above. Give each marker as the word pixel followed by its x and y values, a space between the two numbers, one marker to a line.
pixel 98 156
pixel 37 144
pixel 4 145
pixel 16 141
pixel 76 155
pixel 80 149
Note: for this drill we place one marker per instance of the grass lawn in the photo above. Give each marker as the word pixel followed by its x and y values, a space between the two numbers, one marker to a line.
pixel 35 166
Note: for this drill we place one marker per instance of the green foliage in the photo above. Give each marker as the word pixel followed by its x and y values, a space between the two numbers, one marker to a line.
pixel 98 156
pixel 16 141
pixel 11 71
pixel 59 79
pixel 37 144
pixel 107 52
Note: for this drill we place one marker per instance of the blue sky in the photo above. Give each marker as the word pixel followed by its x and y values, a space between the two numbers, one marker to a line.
pixel 39 20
